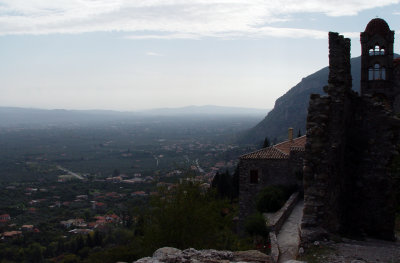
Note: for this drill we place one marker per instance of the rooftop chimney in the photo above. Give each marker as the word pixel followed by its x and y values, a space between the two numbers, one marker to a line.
pixel 290 134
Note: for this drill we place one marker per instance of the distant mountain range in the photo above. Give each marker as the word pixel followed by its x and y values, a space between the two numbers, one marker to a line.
pixel 206 110
pixel 10 116
pixel 290 110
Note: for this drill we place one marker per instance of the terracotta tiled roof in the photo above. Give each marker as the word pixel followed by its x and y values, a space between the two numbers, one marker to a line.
pixel 278 151
pixel 286 145
pixel 297 149
pixel 266 153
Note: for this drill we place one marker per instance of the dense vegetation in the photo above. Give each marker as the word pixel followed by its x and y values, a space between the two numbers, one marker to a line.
pixel 137 145
pixel 273 197
pixel 190 216
pixel 187 215
pixel 38 190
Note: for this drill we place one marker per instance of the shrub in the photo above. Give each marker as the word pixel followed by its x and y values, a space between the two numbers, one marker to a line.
pixel 187 216
pixel 256 225
pixel 272 198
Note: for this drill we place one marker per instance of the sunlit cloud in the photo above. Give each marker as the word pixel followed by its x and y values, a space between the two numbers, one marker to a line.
pixel 171 19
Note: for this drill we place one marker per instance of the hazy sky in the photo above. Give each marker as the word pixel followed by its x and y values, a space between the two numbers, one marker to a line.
pixel 140 54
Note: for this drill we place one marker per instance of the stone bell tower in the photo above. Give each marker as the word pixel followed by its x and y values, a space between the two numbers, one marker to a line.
pixel 377 61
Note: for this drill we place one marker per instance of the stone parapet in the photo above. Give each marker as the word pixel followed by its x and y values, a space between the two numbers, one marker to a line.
pixel 276 220
pixel 274 246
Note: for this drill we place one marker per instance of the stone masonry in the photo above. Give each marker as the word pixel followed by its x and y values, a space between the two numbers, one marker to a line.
pixel 279 164
pixel 351 141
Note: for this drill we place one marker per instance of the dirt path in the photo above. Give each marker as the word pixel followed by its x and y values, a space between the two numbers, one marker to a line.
pixel 289 236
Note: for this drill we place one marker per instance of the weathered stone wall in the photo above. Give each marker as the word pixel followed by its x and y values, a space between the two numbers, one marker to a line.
pixel 276 220
pixel 350 143
pixel 373 141
pixel 296 159
pixel 271 172
pixel 325 148
pixel 396 86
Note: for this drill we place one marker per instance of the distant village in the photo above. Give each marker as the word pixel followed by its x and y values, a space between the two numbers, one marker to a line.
pixel 99 202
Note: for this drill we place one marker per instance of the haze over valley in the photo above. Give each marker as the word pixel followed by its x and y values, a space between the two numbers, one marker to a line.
pixel 128 126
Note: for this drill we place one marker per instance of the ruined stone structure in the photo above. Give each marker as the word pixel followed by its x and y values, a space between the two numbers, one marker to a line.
pixel 351 142
pixel 276 165
pixel 347 154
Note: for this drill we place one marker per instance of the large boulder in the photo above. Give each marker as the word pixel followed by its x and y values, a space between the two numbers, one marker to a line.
pixel 191 255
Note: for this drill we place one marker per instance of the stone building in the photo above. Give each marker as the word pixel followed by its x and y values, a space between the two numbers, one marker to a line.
pixel 279 164
pixel 377 62
pixel 352 140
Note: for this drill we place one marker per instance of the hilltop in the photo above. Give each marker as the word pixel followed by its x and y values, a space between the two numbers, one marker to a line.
pixel 290 109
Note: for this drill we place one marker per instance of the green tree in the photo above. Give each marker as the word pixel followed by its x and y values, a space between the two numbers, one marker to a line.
pixel 186 217
pixel 223 184
pixel 139 226
pixel 35 252
pixel 255 225
pixel 116 173
pixel 97 238
pixel 271 199
pixel 51 249
pixel 70 258
pixel 89 240
pixel 266 142
pixel 80 243
pixel 235 183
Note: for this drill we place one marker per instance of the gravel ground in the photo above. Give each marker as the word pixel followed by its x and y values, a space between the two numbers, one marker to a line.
pixel 350 251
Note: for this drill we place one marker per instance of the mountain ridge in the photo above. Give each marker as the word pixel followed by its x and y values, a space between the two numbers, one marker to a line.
pixel 14 116
pixel 290 110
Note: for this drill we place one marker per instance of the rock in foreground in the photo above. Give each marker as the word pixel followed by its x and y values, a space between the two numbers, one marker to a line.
pixel 173 255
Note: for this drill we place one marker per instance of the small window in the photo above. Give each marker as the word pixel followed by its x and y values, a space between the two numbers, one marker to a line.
pixel 377 73
pixel 254 176
pixel 371 52
pixel 376 50
pixel 370 74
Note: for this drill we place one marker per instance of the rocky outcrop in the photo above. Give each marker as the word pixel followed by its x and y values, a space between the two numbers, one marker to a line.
pixel 191 255
pixel 290 109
